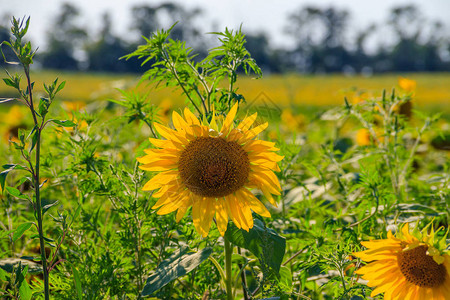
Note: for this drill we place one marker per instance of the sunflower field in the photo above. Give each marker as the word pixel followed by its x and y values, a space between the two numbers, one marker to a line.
pixel 243 189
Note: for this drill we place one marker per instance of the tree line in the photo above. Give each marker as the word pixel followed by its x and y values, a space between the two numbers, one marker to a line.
pixel 322 41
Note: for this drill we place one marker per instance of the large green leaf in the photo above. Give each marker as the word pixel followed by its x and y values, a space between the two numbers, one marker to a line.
pixel 267 245
pixel 179 264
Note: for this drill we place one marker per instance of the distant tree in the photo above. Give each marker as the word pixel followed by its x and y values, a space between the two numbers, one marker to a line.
pixel 265 57
pixel 144 19
pixel 64 39
pixel 418 42
pixel 147 19
pixel 360 59
pixel 319 35
pixel 185 31
pixel 104 54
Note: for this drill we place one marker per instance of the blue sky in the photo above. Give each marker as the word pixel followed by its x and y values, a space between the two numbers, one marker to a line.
pixel 255 15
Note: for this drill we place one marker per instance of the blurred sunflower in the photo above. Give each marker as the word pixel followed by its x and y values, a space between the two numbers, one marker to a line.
pixel 12 121
pixel 165 107
pixel 364 138
pixel 291 122
pixel 407 266
pixel 406 84
pixel 71 108
pixel 409 86
pixel 212 170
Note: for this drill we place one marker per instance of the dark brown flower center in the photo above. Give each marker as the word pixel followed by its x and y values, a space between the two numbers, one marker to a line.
pixel 213 167
pixel 420 269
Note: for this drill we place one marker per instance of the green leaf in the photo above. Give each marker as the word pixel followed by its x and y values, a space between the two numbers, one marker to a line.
pixel 16 193
pixel 9 82
pixel 3 275
pixel 34 137
pixel 60 86
pixel 267 245
pixel 65 123
pixel 24 289
pixel 44 104
pixel 285 279
pixel 21 230
pixel 76 279
pixel 179 264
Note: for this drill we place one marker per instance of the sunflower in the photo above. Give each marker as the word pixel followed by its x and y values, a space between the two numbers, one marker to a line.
pixel 12 122
pixel 212 170
pixel 406 84
pixel 407 266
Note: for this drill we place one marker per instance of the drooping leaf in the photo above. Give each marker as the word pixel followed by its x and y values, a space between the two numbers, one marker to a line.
pixel 8 168
pixel 48 206
pixel 267 245
pixel 65 123
pixel 179 264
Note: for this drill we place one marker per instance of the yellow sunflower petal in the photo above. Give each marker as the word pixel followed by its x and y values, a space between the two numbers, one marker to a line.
pixel 170 134
pixel 247 122
pixel 181 212
pixel 160 165
pixel 179 123
pixel 266 178
pixel 261 180
pixel 229 120
pixel 191 119
pixel 166 198
pixel 268 196
pixel 271 156
pixel 232 210
pixel 259 146
pixel 235 134
pixel 253 202
pixel 173 204
pixel 202 214
pixel 207 211
pixel 266 163
pixel 160 179
pixel 168 190
pixel 248 135
pixel 221 216
pixel 196 217
pixel 147 159
pixel 165 144
pixel 244 212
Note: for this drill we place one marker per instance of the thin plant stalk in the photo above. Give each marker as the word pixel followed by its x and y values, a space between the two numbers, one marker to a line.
pixel 228 280
pixel 36 179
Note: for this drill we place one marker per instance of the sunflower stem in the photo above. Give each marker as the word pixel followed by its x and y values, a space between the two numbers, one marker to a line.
pixel 229 278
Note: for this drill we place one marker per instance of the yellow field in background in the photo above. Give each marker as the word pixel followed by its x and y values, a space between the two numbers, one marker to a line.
pixel 432 89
